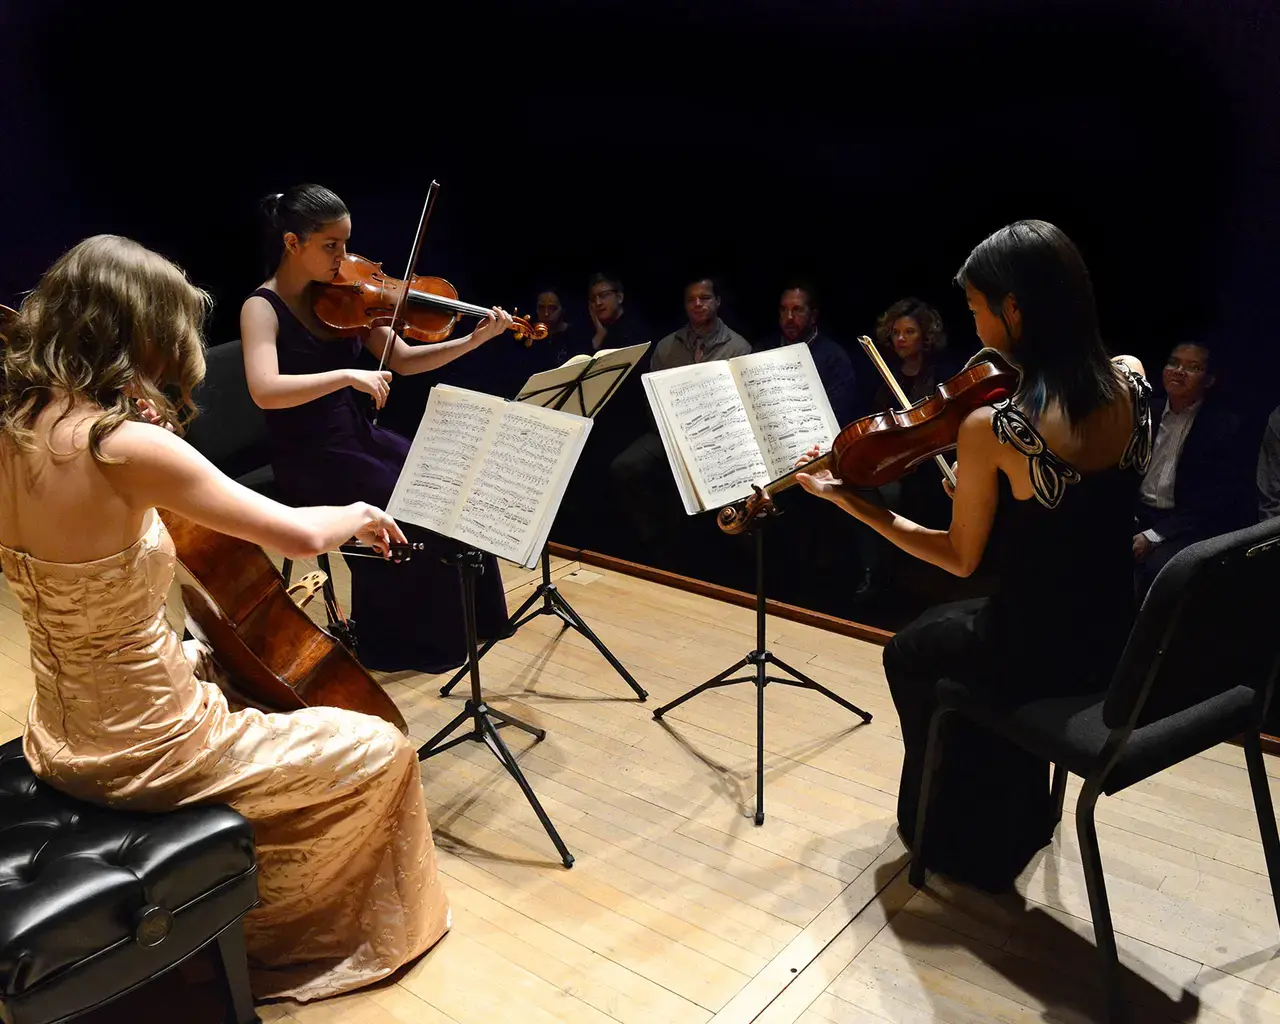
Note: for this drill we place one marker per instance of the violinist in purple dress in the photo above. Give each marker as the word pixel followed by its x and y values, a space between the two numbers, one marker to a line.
pixel 326 449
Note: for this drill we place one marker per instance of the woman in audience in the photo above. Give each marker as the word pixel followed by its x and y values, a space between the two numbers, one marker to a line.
pixel 326 449
pixel 347 875
pixel 914 342
pixel 1046 485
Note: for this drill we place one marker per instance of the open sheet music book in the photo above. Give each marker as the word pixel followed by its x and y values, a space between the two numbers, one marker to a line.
pixel 584 382
pixel 728 424
pixel 488 472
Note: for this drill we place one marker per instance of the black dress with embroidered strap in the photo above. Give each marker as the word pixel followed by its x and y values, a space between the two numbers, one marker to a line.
pixel 1056 626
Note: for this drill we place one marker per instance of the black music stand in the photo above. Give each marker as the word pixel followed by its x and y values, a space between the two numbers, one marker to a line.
pixel 483 730
pixel 761 657
pixel 554 602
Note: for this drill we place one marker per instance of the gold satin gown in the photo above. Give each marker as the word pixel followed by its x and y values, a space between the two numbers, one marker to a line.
pixel 347 870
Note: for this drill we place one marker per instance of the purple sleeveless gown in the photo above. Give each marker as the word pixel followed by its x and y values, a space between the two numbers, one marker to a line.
pixel 406 616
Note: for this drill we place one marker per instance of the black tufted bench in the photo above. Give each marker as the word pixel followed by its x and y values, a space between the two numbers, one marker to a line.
pixel 95 902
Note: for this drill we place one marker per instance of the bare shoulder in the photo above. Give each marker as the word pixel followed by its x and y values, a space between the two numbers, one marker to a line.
pixel 133 443
pixel 976 434
pixel 1132 362
pixel 144 450
pixel 256 311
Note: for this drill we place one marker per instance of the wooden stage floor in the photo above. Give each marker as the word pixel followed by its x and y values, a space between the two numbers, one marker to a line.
pixel 679 909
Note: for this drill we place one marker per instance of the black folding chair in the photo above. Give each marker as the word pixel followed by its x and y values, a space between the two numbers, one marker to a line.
pixel 1198 670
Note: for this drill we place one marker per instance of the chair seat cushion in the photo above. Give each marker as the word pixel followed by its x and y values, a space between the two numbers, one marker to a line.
pixel 1070 731
pixel 77 879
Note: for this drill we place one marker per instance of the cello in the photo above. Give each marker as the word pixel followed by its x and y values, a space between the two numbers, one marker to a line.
pixel 878 449
pixel 271 653
pixel 276 658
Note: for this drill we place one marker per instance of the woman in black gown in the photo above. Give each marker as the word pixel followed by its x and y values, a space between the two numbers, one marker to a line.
pixel 325 449
pixel 1045 496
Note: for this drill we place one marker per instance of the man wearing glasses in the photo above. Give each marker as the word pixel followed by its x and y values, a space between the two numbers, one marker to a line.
pixel 1191 489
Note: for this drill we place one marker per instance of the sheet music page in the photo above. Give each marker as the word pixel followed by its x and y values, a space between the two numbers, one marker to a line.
pixel 684 483
pixel 709 422
pixel 601 379
pixel 440 466
pixel 520 481
pixel 786 404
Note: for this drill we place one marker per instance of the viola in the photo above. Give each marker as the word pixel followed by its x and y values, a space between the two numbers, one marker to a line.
pixel 276 657
pixel 878 449
pixel 363 296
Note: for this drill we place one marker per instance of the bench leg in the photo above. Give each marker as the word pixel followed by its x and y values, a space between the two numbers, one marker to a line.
pixel 235 972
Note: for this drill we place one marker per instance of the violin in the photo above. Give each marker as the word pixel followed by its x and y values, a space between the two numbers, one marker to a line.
pixel 883 447
pixel 277 659
pixel 363 296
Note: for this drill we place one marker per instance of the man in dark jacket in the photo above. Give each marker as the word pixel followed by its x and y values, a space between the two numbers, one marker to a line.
pixel 1193 487
pixel 798 323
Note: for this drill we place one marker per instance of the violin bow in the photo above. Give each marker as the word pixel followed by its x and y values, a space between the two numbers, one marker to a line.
pixel 397 318
pixel 873 354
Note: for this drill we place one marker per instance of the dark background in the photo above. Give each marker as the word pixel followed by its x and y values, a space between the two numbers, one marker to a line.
pixel 867 145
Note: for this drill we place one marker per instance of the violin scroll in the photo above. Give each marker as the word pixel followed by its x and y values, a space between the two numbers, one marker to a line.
pixel 734 519
pixel 527 331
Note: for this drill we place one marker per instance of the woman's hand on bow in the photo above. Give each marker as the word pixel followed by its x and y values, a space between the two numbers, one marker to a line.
pixel 375 383
pixel 380 531
pixel 946 484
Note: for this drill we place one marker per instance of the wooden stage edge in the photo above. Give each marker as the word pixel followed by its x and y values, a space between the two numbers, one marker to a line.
pixel 831 623
pixel 795 613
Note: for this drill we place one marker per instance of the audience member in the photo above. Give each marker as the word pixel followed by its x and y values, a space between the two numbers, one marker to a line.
pixel 911 335
pixel 705 337
pixel 583 519
pixel 564 338
pixel 611 327
pixel 1191 489
pixel 643 488
pixel 1269 469
pixel 798 323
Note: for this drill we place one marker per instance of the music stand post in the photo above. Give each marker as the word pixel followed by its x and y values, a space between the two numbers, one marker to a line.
pixel 554 602
pixel 483 730
pixel 761 658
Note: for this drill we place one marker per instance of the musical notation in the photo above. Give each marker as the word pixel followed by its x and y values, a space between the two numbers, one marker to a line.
pixel 513 488
pixel 715 435
pixel 728 425
pixel 782 393
pixel 487 472
pixel 435 472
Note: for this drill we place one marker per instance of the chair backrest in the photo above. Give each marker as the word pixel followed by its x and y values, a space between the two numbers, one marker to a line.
pixel 231 431
pixel 1210 622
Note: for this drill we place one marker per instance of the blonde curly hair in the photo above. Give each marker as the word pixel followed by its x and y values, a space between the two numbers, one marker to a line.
pixel 110 322
pixel 935 337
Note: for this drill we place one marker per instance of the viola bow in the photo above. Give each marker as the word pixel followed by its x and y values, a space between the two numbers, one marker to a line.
pixel 397 317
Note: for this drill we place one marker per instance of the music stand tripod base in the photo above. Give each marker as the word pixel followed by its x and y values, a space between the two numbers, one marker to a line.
pixel 480 715
pixel 553 603
pixel 761 658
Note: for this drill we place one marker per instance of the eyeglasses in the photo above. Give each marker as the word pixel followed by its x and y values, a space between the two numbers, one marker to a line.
pixel 1173 364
